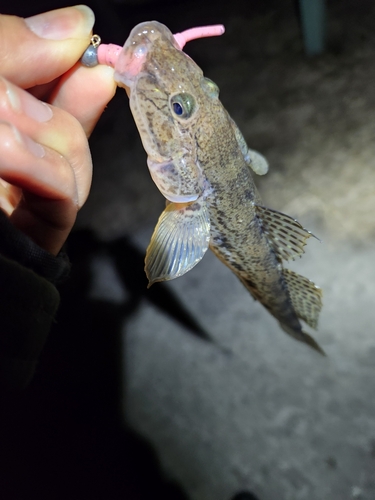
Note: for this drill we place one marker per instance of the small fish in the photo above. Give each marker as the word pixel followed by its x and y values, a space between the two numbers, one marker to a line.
pixel 200 162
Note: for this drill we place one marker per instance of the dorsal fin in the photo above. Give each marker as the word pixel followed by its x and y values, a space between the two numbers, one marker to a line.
pixel 306 297
pixel 286 235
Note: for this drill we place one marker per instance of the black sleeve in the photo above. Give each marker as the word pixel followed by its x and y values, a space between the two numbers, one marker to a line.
pixel 28 302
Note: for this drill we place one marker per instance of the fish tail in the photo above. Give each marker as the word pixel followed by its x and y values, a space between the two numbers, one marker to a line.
pixel 303 337
pixel 305 300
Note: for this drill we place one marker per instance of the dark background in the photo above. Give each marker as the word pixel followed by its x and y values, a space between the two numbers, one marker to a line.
pixel 67 436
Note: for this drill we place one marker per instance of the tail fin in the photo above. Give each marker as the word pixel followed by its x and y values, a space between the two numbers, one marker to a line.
pixel 306 297
pixel 303 337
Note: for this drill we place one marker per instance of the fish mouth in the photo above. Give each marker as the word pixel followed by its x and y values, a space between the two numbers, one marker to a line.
pixel 134 54
pixel 129 65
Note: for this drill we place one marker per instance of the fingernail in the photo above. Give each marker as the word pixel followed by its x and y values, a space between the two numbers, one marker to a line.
pixel 33 147
pixel 23 102
pixel 70 22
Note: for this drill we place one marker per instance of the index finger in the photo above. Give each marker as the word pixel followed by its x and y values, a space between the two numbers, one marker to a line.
pixel 41 48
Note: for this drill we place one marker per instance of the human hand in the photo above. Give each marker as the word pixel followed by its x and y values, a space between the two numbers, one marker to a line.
pixel 45 162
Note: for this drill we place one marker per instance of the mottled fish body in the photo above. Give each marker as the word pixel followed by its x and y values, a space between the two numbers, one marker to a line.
pixel 200 162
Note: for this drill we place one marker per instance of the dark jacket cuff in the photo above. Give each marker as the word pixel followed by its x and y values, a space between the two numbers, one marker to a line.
pixel 28 302
pixel 16 246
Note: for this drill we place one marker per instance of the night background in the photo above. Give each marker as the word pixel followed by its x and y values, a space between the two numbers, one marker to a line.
pixel 190 390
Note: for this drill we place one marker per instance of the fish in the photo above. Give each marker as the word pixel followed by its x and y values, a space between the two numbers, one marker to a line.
pixel 200 162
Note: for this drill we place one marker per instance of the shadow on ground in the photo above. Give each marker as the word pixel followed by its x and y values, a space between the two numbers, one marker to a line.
pixel 64 438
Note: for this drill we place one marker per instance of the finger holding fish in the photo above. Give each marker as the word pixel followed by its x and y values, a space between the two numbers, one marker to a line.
pixel 44 155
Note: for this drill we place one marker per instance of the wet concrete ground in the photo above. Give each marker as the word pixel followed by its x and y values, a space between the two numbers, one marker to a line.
pixel 251 409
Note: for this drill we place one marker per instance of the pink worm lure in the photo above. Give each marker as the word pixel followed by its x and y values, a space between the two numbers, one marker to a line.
pixel 108 53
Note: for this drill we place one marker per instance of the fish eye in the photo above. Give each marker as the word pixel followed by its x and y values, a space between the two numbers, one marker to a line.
pixel 183 105
pixel 177 108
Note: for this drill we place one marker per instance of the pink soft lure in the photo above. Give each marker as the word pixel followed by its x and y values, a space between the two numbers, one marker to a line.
pixel 108 53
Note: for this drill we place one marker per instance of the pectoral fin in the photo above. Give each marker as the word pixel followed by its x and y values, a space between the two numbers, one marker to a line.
pixel 179 241
pixel 254 160
pixel 286 235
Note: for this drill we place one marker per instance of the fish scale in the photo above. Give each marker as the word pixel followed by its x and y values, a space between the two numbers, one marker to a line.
pixel 202 165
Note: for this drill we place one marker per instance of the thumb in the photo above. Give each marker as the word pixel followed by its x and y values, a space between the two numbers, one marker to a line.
pixel 39 49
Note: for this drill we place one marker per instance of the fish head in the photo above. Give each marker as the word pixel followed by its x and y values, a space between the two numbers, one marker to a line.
pixel 167 93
